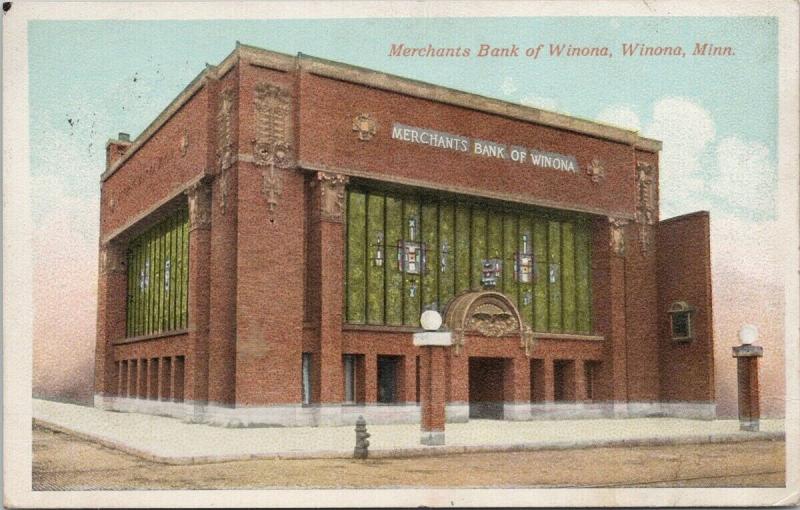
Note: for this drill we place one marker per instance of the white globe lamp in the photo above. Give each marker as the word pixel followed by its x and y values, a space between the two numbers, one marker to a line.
pixel 748 335
pixel 430 320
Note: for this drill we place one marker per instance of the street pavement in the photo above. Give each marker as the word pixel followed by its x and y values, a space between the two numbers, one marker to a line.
pixel 62 462
pixel 172 441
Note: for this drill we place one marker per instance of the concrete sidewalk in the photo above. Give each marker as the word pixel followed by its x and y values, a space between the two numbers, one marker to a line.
pixel 171 441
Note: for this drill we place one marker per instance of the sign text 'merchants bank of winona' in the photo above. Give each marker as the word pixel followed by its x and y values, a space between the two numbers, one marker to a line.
pixel 484 148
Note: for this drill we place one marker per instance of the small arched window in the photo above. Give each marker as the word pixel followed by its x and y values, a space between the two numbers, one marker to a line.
pixel 680 320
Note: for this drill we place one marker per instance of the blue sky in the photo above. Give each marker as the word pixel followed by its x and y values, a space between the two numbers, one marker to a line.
pixel 717 116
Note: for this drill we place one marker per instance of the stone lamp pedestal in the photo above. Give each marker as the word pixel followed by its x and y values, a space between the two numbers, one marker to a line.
pixel 747 369
pixel 432 384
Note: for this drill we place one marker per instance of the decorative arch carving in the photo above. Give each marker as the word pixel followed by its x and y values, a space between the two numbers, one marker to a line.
pixel 487 313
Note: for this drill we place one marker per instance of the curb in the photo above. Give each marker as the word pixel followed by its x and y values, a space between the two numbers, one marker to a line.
pixel 427 451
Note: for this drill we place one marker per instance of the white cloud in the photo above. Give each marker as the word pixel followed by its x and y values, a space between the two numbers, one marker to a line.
pixel 683 122
pixel 544 103
pixel 751 248
pixel 508 86
pixel 745 172
pixel 620 115
pixel 687 130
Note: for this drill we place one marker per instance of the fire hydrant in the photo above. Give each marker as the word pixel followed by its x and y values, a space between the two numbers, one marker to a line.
pixel 362 443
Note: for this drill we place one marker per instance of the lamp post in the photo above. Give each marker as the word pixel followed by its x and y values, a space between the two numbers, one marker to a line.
pixel 747 356
pixel 432 377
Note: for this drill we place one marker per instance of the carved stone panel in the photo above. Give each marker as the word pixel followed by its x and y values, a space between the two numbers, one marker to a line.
pixel 225 148
pixel 199 197
pixel 365 126
pixel 617 238
pixel 595 170
pixel 331 195
pixel 489 319
pixel 272 146
pixel 646 204
pixel 112 258
pixel 488 314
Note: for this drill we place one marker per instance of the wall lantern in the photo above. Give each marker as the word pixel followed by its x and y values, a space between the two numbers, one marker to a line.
pixel 553 273
pixel 412 228
pixel 491 270
pixel 445 251
pixel 527 298
pixel 411 254
pixel 523 262
pixel 379 251
pixel 680 321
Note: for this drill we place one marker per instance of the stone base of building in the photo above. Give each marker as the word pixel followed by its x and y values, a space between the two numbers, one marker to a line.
pixel 749 425
pixel 317 415
pixel 432 438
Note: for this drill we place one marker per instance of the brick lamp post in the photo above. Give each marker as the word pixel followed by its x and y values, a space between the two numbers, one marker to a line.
pixel 747 356
pixel 432 378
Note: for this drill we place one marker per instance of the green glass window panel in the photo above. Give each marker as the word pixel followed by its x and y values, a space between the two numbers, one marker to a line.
pixel 173 278
pixel 525 291
pixel 166 269
pixel 184 248
pixel 158 268
pixel 394 276
pixel 554 274
pixel 411 282
pixel 478 242
pixel 430 236
pixel 356 257
pixel 375 272
pixel 568 276
pixel 151 308
pixel 462 247
pixel 158 287
pixel 494 242
pixel 541 286
pixel 129 298
pixel 447 244
pixel 582 278
pixel 148 294
pixel 179 282
pixel 388 295
pixel 510 286
pixel 137 297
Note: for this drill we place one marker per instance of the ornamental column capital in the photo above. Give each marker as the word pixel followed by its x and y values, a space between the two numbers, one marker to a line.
pixel 331 195
pixel 617 235
pixel 199 200
pixel 112 258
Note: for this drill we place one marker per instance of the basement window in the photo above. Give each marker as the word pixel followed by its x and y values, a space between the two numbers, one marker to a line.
pixel 306 378
pixel 680 319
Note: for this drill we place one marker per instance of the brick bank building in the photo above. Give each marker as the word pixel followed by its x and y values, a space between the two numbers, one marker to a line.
pixel 269 242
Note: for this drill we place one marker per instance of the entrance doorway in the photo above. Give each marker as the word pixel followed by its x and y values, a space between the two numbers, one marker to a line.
pixel 486 388
pixel 388 378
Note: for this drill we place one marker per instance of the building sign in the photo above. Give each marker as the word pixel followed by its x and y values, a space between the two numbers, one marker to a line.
pixel 484 148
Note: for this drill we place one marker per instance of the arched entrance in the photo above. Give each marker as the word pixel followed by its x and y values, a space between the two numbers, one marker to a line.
pixel 492 315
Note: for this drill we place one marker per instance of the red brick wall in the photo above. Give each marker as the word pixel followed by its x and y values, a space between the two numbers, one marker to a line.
pixel 641 293
pixel 269 293
pixel 224 250
pixel 328 108
pixel 157 169
pixel 684 274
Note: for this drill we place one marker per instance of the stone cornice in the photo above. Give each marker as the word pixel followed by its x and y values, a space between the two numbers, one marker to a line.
pixel 461 190
pixel 438 93
pixel 283 62
pixel 172 195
